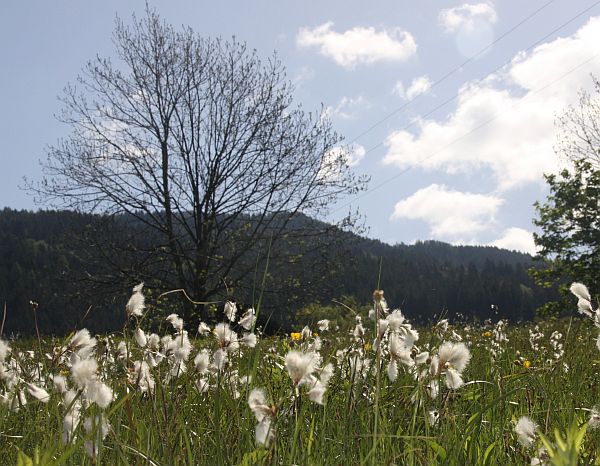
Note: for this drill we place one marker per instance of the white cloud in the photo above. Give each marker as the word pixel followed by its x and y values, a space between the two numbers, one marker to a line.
pixel 339 158
pixel 505 123
pixel 467 16
pixel 302 76
pixel 355 154
pixel 516 239
pixel 417 87
pixel 359 45
pixel 347 108
pixel 399 90
pixel 449 213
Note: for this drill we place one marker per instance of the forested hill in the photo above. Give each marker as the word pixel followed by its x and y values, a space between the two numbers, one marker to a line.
pixel 40 262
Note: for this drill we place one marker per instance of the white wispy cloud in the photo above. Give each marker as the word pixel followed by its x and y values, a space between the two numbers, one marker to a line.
pixel 505 123
pixel 516 239
pixel 347 108
pixel 418 86
pixel 359 45
pixel 303 75
pixel 450 214
pixel 466 16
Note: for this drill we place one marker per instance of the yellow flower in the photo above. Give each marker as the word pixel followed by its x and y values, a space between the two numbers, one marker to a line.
pixel 527 364
pixel 296 336
pixel 367 346
pixel 487 334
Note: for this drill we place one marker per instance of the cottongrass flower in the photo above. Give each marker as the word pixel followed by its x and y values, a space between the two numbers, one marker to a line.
pixel 300 366
pixel 176 322
pixel 318 386
pixel 60 383
pixel 398 352
pixel 433 417
pixel 38 393
pixel 248 319
pixel 451 361
pixel 121 350
pixel 249 340
pixel 203 328
pixel 136 304
pixel 323 325
pixel 359 330
pixel 264 432
pixel 525 430
pixel 84 374
pixel 306 333
pixel 202 361
pixel 140 337
pixel 583 298
pixel 143 377
pixel 72 416
pixel 4 350
pixel 99 426
pixel 226 338
pixel 220 359
pixel 82 342
pixel 230 310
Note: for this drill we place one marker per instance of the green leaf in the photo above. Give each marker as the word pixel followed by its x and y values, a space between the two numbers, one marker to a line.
pixel 439 450
pixel 23 459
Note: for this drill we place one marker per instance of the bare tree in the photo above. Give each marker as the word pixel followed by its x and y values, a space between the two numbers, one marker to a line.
pixel 579 128
pixel 200 142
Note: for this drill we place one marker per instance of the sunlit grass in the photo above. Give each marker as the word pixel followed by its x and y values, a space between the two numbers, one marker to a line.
pixel 197 409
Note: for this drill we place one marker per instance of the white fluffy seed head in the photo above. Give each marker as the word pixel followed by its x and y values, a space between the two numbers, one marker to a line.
pixel 300 365
pixel 202 361
pixel 99 393
pixel 230 310
pixel 265 432
pixel 4 350
pixel 454 355
pixel 581 291
pixel 525 430
pixel 84 371
pixel 249 340
pixel 323 325
pixel 38 393
pixel 140 338
pixel 257 401
pixel 203 328
pixel 392 371
pixel 82 341
pixel 136 304
pixel 315 394
pixel 175 321
pixel 248 319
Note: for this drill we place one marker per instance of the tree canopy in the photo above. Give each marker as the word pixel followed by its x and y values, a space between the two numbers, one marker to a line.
pixel 569 218
pixel 199 141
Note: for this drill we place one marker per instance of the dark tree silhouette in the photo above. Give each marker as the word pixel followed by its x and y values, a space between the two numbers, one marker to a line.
pixel 201 143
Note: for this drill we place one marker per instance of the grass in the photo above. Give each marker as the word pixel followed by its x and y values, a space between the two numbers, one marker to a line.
pixel 177 423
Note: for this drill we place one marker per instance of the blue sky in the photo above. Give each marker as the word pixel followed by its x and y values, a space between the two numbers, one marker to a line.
pixel 459 159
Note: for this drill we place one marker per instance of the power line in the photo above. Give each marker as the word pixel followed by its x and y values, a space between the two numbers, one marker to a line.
pixel 463 136
pixel 454 70
pixel 555 30
pixel 451 99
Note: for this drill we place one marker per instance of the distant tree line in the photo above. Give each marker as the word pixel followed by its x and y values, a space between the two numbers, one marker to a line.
pixel 46 257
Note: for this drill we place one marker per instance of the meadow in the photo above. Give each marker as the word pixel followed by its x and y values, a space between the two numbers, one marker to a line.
pixel 379 392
